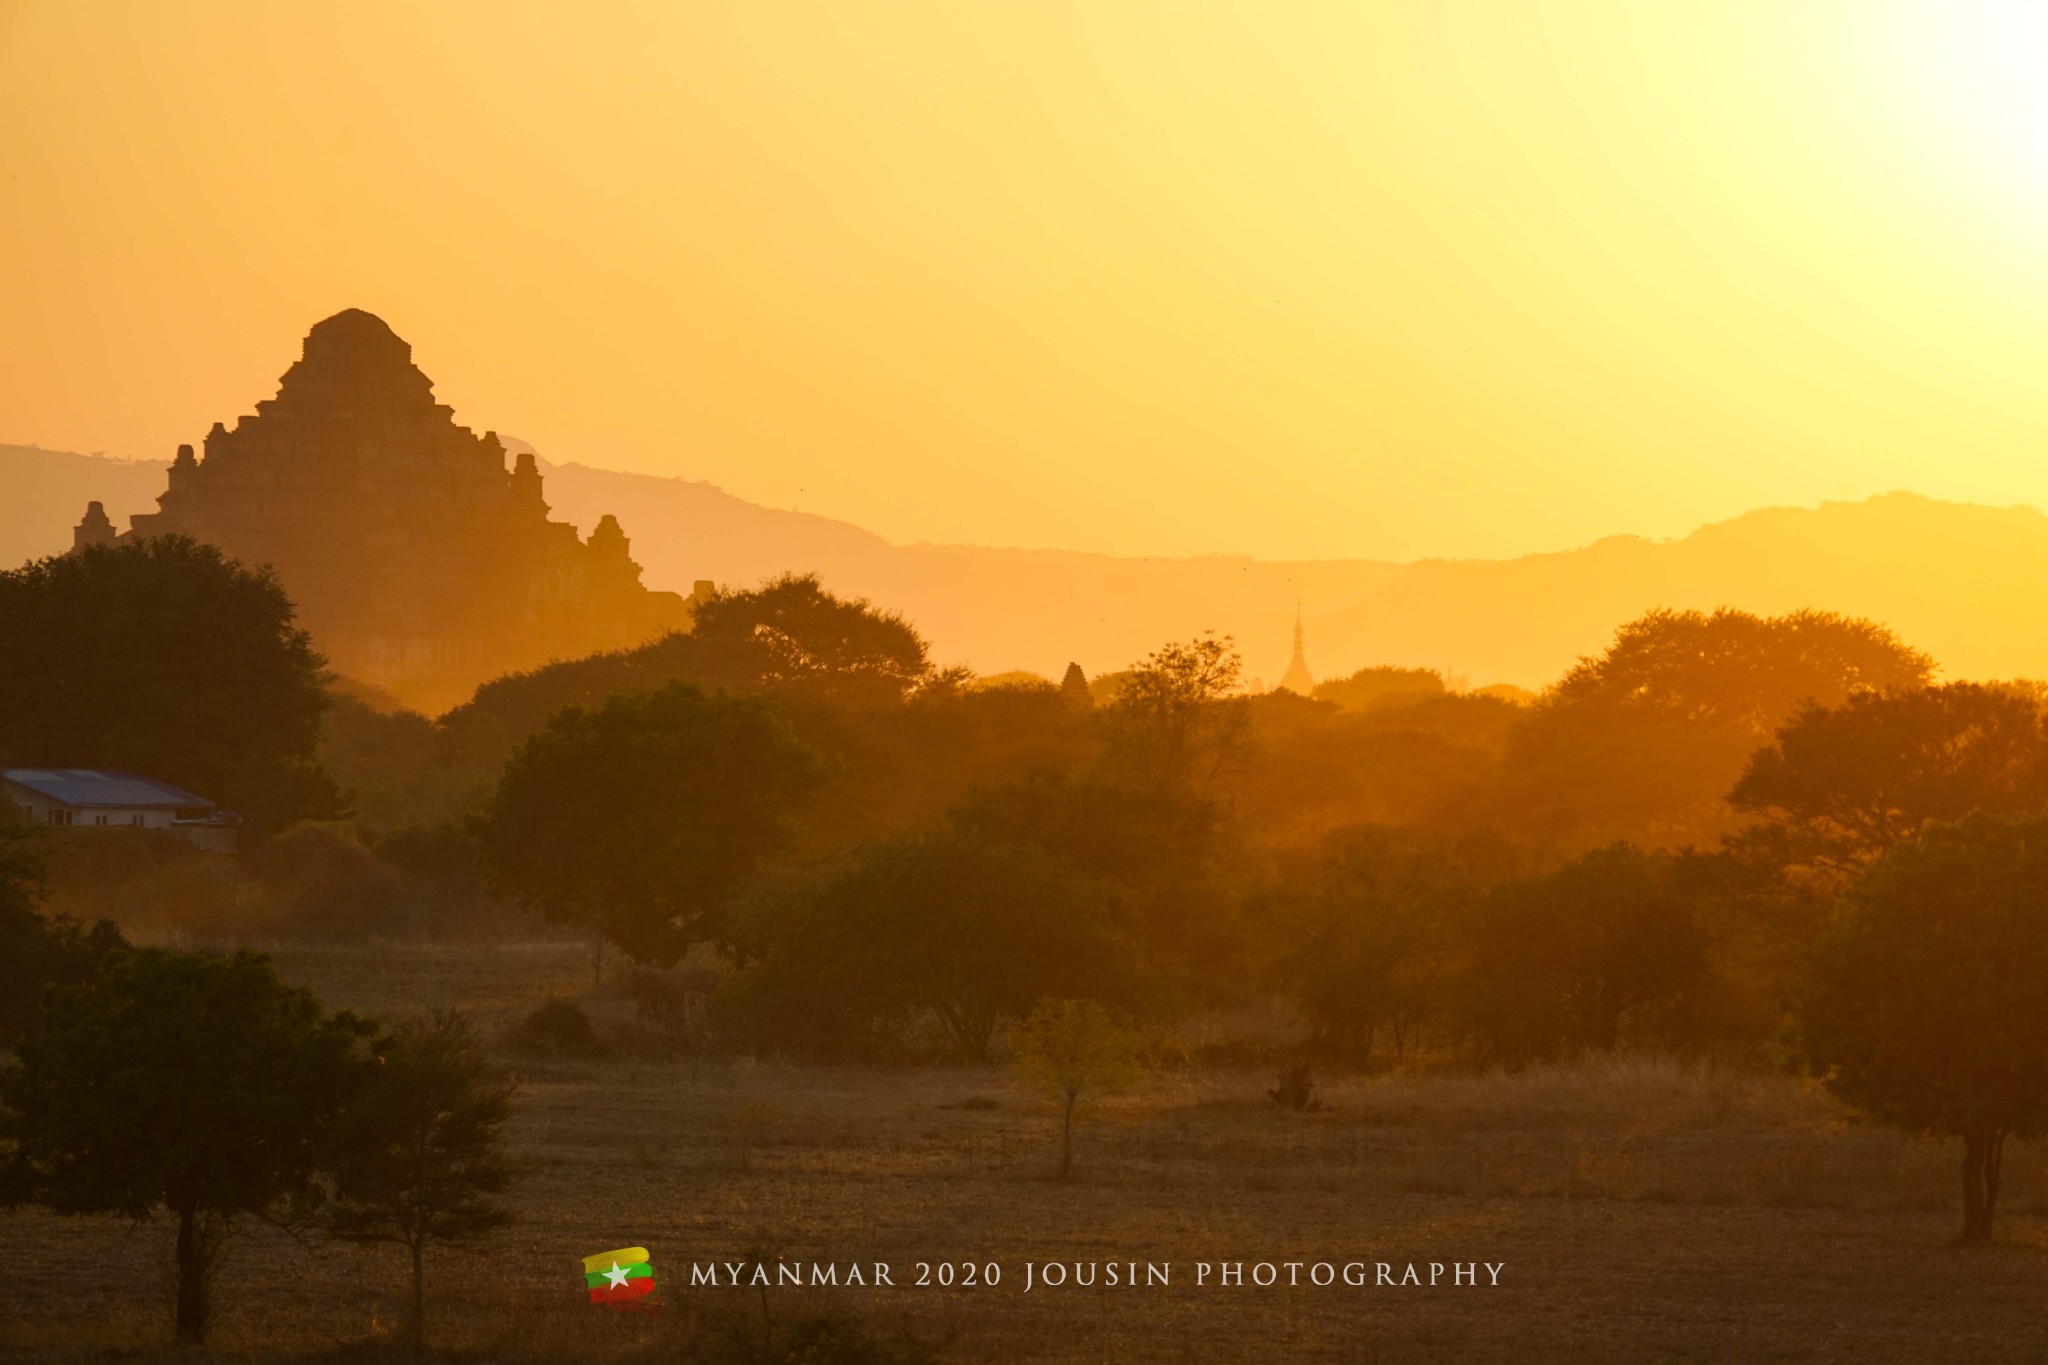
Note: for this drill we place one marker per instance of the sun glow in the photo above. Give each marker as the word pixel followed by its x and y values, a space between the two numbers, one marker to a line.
pixel 1978 81
pixel 1369 278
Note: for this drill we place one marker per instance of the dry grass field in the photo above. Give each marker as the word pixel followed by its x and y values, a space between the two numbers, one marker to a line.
pixel 1642 1210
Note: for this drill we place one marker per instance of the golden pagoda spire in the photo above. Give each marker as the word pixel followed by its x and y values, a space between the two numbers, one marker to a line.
pixel 1297 679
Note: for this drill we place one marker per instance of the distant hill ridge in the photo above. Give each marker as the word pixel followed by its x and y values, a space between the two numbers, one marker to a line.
pixel 1967 583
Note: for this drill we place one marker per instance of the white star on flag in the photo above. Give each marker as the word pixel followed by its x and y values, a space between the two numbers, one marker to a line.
pixel 616 1275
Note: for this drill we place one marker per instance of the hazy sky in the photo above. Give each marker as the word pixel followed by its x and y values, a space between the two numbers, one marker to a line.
pixel 1152 276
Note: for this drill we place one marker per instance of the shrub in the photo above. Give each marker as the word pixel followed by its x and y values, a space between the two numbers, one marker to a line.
pixel 558 1028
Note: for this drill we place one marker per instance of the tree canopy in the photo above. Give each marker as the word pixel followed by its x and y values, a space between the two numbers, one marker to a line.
pixel 1924 1004
pixel 196 1084
pixel 1176 723
pixel 1840 785
pixel 640 819
pixel 164 657
pixel 418 1150
pixel 1369 932
pixel 1579 958
pixel 1074 1048
pixel 948 927
pixel 38 951
pixel 1380 686
pixel 1734 668
pixel 790 636
pixel 1644 740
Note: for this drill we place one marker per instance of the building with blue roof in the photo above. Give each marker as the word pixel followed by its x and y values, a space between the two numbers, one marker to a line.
pixel 108 798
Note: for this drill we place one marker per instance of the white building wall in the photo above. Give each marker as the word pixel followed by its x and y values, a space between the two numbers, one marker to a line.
pixel 36 809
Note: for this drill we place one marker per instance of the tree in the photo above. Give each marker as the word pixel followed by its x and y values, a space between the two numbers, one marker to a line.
pixel 946 925
pixel 38 951
pixel 1838 786
pixel 790 635
pixel 1373 688
pixel 1734 668
pixel 1175 724
pixel 1368 937
pixel 641 818
pixel 162 656
pixel 1317 768
pixel 1073 1048
pixel 1642 741
pixel 418 1151
pixel 1923 1005
pixel 195 1084
pixel 900 769
pixel 1158 859
pixel 1562 962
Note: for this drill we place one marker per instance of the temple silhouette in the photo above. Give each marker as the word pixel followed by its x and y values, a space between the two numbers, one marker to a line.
pixel 1297 679
pixel 417 560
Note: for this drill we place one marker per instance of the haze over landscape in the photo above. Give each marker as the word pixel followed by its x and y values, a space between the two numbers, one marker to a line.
pixel 1938 572
pixel 1387 657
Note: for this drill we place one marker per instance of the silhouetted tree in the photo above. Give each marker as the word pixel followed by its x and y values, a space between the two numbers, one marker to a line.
pixel 195 1084
pixel 1643 740
pixel 1368 938
pixel 1074 1048
pixel 791 635
pixel 641 818
pixel 1564 961
pixel 38 951
pixel 1840 785
pixel 1731 667
pixel 419 1151
pixel 1372 688
pixel 1176 724
pixel 898 770
pixel 1315 768
pixel 164 657
pixel 945 925
pixel 1164 863
pixel 1924 1005
pixel 399 767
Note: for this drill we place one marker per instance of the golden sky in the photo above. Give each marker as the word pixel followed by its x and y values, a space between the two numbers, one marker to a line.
pixel 1383 279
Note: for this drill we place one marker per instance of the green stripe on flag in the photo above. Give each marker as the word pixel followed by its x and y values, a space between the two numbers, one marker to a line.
pixel 602 1279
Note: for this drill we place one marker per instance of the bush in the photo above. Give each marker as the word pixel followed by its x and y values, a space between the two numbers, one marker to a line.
pixel 324 886
pixel 559 1028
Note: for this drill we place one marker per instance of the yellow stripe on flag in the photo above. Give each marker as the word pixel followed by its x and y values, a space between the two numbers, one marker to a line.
pixel 625 1256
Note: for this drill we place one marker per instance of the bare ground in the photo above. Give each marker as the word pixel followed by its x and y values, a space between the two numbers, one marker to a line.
pixel 1640 1210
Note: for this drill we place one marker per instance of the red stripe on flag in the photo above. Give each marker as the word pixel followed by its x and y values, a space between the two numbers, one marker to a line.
pixel 637 1288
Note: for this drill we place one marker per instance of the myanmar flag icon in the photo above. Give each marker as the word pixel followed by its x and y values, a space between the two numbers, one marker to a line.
pixel 621 1279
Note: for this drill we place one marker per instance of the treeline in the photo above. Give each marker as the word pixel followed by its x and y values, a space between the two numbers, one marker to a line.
pixel 1697 841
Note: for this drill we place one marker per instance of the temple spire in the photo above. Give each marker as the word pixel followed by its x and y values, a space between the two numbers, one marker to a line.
pixel 96 529
pixel 1297 678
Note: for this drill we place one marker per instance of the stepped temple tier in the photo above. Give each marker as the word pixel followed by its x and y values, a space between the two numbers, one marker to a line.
pixel 417 560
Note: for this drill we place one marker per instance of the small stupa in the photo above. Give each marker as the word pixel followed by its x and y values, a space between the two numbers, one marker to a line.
pixel 1297 679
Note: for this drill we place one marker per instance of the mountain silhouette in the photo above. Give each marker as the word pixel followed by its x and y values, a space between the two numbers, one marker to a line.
pixel 1958 580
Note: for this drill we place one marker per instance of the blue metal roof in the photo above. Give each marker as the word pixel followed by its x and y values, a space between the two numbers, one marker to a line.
pixel 103 787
